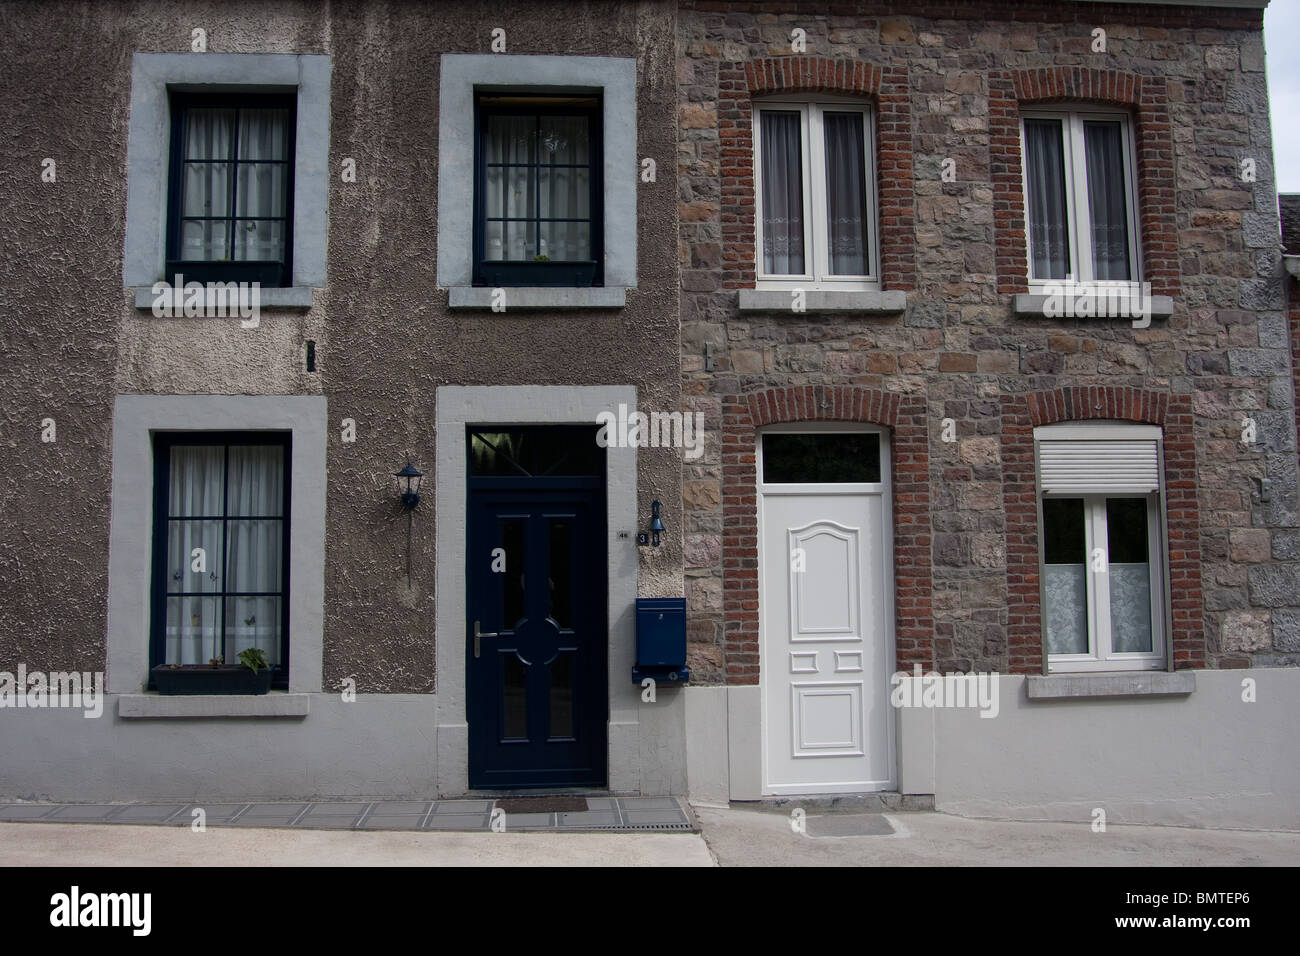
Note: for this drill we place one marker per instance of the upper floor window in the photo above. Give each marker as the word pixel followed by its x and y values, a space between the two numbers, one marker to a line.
pixel 231 188
pixel 1080 188
pixel 816 196
pixel 1102 546
pixel 538 210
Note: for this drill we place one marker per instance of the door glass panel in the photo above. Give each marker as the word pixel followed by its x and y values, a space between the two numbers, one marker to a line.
pixel 1065 576
pixel 513 538
pixel 562 696
pixel 821 458
pixel 560 582
pixel 548 450
pixel 514 697
pixel 1130 575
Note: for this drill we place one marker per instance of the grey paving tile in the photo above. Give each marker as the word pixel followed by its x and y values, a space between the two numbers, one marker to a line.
pixel 462 806
pixel 336 809
pixel 212 813
pixel 398 808
pixel 600 803
pixel 848 824
pixel 276 810
pixel 591 818
pixel 661 817
pixel 149 813
pixel 396 821
pixel 342 821
pixel 648 803
pixel 530 821
pixel 246 821
pixel 26 811
pixel 457 821
pixel 95 814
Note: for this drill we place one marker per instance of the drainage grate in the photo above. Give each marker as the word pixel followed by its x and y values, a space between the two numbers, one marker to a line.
pixel 542 804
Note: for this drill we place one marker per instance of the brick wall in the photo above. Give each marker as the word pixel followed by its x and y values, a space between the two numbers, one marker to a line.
pixel 949 85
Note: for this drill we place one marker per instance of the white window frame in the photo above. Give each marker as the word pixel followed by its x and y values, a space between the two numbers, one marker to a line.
pixel 1100 656
pixel 1076 195
pixel 816 243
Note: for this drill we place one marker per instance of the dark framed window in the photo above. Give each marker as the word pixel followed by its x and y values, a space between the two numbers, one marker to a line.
pixel 538 210
pixel 230 191
pixel 221 548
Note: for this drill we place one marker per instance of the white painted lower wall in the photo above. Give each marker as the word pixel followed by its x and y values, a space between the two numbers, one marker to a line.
pixel 1205 759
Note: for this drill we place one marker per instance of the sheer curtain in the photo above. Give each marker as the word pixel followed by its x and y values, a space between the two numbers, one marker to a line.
pixel 1049 242
pixel 846 197
pixel 1104 149
pixel 261 190
pixel 510 189
pixel 207 184
pixel 782 162
pixel 198 497
pixel 565 188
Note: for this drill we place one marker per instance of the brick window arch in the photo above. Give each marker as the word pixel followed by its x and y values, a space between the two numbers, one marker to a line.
pixel 1020 415
pixel 1147 98
pixel 887 87
pixel 905 416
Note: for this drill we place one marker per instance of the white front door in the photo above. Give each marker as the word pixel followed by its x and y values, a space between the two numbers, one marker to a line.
pixel 826 617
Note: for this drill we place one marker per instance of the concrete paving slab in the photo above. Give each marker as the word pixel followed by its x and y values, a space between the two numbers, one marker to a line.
pixel 462 806
pixel 336 809
pixel 81 844
pixel 397 808
pixel 328 821
pixel 457 821
pixel 89 814
pixel 149 813
pixel 392 821
pixel 654 817
pixel 589 818
pixel 25 813
pixel 518 821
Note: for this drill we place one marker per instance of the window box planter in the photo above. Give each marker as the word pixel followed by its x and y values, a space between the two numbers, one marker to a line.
pixel 537 274
pixel 229 679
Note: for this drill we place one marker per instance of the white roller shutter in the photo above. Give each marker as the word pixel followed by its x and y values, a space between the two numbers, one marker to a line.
pixel 1099 467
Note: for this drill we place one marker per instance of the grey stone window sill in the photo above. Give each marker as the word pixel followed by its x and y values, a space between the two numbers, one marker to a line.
pixel 821 301
pixel 296 297
pixel 1131 684
pixel 538 297
pixel 1035 304
pixel 274 704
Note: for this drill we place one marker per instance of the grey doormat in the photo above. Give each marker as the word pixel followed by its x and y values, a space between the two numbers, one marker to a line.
pixel 542 804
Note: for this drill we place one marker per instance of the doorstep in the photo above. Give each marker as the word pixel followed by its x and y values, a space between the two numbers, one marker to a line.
pixel 888 801
pixel 642 814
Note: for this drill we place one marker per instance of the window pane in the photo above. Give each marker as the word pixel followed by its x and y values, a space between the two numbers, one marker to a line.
pixel 197 481
pixel 253 622
pixel 206 189
pixel 560 574
pixel 511 191
pixel 1107 207
pixel 259 240
pixel 262 190
pixel 513 540
pixel 263 134
pixel 256 480
pixel 846 194
pixel 510 139
pixel 193 629
pixel 562 241
pixel 782 162
pixel 205 240
pixel 565 192
pixel 1130 575
pixel 1065 582
pixel 207 133
pixel 801 459
pixel 562 695
pixel 187 571
pixel 1049 244
pixel 253 555
pixel 563 139
pixel 514 697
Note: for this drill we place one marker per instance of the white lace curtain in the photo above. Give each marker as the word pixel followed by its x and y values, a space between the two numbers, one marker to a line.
pixel 248 489
pixel 1106 200
pixel 1049 242
pixel 260 187
pixel 559 187
pixel 846 196
pixel 782 162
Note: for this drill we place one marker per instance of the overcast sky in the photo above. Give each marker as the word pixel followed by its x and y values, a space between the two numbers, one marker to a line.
pixel 1282 43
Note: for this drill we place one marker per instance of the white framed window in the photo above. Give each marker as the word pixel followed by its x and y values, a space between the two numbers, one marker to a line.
pixel 1080 180
pixel 1102 546
pixel 816 195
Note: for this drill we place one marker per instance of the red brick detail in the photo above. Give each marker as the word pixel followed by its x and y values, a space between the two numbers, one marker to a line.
pixel 1020 414
pixel 739 82
pixel 1147 98
pixel 742 416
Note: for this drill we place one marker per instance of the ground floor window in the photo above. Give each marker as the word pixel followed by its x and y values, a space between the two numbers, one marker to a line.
pixel 220 548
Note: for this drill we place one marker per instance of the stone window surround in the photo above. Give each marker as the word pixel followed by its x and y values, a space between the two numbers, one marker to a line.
pixel 1147 98
pixel 738 84
pixel 149 146
pixel 905 417
pixel 1020 414
pixel 130 558
pixel 461 75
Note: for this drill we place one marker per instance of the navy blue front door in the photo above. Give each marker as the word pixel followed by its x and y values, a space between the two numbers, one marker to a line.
pixel 536 630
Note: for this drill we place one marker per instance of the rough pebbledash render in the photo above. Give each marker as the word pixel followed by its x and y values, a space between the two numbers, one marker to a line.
pixel 948 90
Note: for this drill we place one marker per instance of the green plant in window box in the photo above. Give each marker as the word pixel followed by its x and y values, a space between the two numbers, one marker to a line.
pixel 252 675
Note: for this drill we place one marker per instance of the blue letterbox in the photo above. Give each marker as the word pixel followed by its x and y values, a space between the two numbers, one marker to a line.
pixel 661 639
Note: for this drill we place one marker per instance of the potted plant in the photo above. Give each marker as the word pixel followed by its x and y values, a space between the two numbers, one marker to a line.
pixel 251 676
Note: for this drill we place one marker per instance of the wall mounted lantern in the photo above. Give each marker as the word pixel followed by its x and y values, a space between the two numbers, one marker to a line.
pixel 410 496
pixel 656 525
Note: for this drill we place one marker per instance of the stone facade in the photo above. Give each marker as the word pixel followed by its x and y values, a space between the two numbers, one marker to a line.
pixel 948 85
